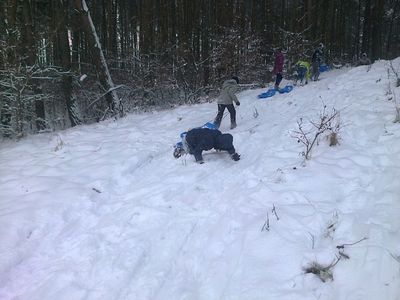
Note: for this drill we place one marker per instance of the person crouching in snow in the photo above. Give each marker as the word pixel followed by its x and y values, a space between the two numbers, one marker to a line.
pixel 226 99
pixel 197 140
pixel 303 71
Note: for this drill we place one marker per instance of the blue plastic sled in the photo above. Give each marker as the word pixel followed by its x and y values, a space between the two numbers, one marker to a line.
pixel 286 89
pixel 271 92
pixel 323 68
pixel 267 94
pixel 208 125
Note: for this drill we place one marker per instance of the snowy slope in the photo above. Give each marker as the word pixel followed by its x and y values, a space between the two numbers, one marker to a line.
pixel 106 212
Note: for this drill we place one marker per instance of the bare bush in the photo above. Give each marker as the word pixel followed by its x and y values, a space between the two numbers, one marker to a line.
pixel 323 272
pixel 327 122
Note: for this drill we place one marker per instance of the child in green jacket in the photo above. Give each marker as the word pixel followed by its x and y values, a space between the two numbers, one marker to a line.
pixel 303 71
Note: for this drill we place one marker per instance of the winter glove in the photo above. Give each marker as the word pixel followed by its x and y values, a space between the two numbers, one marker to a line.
pixel 235 156
pixel 238 103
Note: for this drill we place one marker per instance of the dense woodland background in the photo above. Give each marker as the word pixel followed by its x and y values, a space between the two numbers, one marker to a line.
pixel 161 53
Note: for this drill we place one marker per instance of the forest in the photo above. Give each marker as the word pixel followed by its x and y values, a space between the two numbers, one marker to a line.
pixel 69 62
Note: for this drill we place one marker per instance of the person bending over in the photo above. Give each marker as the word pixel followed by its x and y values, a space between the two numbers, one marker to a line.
pixel 197 140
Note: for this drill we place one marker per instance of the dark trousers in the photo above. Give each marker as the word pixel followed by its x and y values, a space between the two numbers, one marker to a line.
pixel 225 142
pixel 315 71
pixel 221 109
pixel 278 79
pixel 301 73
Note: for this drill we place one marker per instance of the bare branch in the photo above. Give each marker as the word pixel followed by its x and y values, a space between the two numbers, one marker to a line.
pixel 351 244
pixel 310 138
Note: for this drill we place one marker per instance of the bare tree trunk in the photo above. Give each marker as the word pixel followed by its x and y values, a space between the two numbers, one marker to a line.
pixel 3 26
pixel 365 47
pixel 378 12
pixel 391 37
pixel 29 49
pixel 65 57
pixel 205 39
pixel 98 57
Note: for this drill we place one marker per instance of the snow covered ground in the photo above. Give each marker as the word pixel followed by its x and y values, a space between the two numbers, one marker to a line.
pixel 106 212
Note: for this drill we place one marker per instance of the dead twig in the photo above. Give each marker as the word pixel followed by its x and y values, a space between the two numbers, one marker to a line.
pixel 274 212
pixel 266 224
pixel 351 244
pixel 96 190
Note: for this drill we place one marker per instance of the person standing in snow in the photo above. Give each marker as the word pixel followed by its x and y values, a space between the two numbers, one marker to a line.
pixel 316 61
pixel 197 140
pixel 278 67
pixel 226 99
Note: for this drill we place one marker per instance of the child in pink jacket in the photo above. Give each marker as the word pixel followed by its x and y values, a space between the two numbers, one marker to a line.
pixel 278 67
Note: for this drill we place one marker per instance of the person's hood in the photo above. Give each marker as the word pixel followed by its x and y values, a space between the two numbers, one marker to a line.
pixel 229 82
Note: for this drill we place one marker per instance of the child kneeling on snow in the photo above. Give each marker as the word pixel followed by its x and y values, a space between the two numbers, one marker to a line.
pixel 197 140
pixel 303 71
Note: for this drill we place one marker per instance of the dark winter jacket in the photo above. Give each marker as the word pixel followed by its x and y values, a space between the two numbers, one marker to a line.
pixel 278 63
pixel 203 139
pixel 227 96
pixel 317 56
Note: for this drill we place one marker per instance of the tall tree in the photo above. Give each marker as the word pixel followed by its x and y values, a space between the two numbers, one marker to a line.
pixel 376 47
pixel 390 36
pixel 29 55
pixel 98 57
pixel 64 51
pixel 366 35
